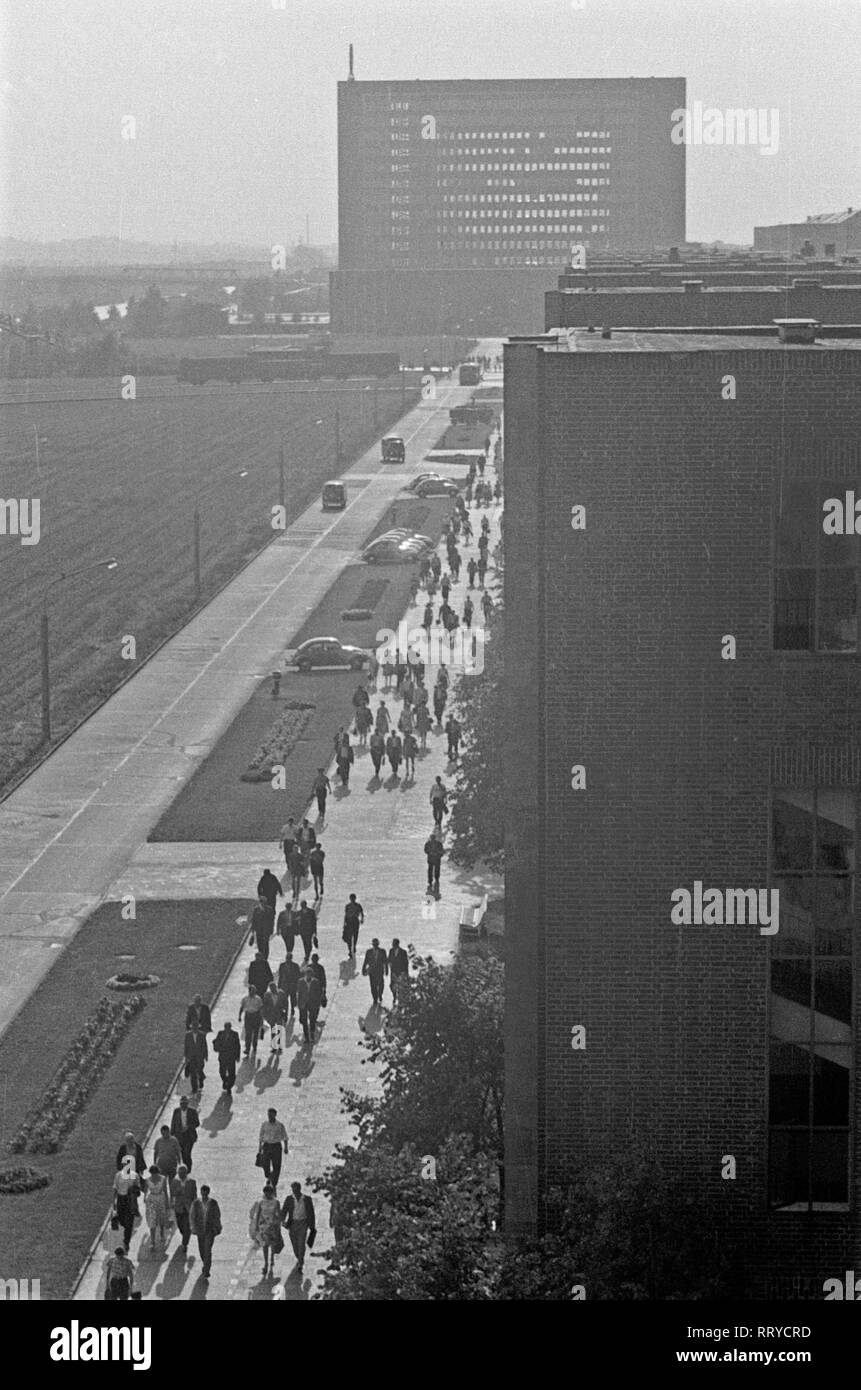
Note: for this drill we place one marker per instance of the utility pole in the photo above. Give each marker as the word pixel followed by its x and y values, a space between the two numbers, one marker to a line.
pixel 337 434
pixel 376 409
pixel 281 486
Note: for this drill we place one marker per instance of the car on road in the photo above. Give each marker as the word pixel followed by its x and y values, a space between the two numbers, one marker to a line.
pixel 334 497
pixel 393 449
pixel 395 550
pixel 328 651
pixel 437 487
pixel 421 478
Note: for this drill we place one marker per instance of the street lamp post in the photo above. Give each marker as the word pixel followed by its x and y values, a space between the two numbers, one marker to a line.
pixel 281 486
pixel 196 552
pixel 109 564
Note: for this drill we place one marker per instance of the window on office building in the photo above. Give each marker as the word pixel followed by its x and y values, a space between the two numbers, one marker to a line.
pixel 815 584
pixel 813 869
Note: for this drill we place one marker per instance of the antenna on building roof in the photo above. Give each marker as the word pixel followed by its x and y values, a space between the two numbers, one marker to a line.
pixel 351 77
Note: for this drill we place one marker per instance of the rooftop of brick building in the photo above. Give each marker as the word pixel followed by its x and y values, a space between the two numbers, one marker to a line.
pixel 674 340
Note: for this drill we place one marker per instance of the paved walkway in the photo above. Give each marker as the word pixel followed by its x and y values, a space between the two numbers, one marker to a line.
pixel 69 830
pixel 373 837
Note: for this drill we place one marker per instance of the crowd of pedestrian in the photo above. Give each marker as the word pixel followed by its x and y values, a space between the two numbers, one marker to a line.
pixel 163 1193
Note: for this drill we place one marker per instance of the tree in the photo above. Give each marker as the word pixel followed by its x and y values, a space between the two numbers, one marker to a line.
pixel 625 1230
pixel 441 1061
pixel 476 825
pixel 416 1226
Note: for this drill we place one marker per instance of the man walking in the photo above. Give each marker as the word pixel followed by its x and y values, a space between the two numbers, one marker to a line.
pixel 272 1136
pixel 354 916
pixel 299 1222
pixel 377 748
pixel 274 1009
pixel 260 974
pixel 297 870
pixel 288 979
pixel 438 800
pixel 183 1126
pixel 183 1195
pixel 321 788
pixel 315 864
pixel 227 1047
pixel 308 998
pixel 198 1015
pixel 166 1154
pixel 399 969
pixel 394 751
pixel 453 734
pixel 269 889
pixel 262 925
pixel 434 852
pixel 196 1053
pixel 252 1010
pixel 307 925
pixel 471 569
pixel 317 969
pixel 205 1223
pixel 376 967
pixel 410 749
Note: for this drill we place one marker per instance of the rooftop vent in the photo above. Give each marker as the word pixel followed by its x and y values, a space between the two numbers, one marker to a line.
pixel 806 284
pixel 692 286
pixel 797 330
pixel 606 331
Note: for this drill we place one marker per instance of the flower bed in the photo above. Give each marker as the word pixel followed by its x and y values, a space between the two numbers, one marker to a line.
pixel 289 727
pixel 129 983
pixel 17 1180
pixel 77 1076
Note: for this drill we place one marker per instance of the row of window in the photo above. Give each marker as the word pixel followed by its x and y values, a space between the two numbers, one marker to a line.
pixel 558 242
pixel 520 135
pixel 534 198
pixel 526 168
pixel 461 151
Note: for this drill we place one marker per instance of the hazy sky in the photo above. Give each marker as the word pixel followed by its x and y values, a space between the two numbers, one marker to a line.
pixel 234 102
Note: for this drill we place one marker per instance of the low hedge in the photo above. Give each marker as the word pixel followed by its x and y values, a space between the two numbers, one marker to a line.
pixel 17 1180
pixel 289 727
pixel 77 1076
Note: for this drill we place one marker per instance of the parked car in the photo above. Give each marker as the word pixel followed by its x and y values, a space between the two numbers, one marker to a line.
pixel 421 478
pixel 328 651
pixel 334 496
pixel 437 487
pixel 394 550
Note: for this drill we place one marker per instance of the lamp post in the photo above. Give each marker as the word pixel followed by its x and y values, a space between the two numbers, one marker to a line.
pixel 109 564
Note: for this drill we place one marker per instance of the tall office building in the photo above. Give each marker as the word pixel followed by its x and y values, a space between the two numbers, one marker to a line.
pixel 684 700
pixel 439 181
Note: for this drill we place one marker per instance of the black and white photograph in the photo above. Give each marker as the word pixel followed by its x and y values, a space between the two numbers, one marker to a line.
pixel 430 765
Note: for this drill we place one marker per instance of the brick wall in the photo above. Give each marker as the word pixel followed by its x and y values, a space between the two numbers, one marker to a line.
pixel 679 488
pixel 707 308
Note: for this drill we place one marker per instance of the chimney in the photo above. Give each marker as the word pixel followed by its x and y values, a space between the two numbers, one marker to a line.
pixel 606 331
pixel 351 77
pixel 797 330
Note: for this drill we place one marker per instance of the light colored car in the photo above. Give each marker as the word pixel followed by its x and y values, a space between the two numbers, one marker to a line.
pixel 328 651
pixel 421 478
pixel 437 487
pixel 394 550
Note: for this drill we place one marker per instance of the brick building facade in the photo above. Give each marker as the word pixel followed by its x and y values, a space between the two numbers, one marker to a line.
pixel 699 306
pixel 702 465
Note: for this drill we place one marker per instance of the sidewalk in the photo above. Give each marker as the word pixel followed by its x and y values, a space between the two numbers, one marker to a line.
pixel 373 837
pixel 68 831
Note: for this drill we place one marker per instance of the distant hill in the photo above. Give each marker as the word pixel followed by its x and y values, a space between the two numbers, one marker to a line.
pixel 104 251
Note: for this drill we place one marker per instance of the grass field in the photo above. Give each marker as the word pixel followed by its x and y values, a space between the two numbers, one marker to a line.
pixel 51 1230
pixel 124 478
